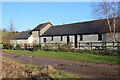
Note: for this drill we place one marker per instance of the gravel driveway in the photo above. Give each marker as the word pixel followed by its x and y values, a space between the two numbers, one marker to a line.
pixel 82 69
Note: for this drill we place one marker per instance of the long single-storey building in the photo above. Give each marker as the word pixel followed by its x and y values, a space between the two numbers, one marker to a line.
pixel 89 31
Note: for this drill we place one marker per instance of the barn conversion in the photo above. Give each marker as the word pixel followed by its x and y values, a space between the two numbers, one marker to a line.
pixel 95 31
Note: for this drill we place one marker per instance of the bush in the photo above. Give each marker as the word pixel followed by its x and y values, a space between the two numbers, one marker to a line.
pixel 18 47
pixel 6 46
pixel 37 47
pixel 11 47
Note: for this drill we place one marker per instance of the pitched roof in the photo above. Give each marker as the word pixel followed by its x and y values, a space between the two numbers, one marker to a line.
pixel 40 26
pixel 23 35
pixel 89 27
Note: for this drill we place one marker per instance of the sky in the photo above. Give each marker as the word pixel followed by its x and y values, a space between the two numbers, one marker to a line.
pixel 27 15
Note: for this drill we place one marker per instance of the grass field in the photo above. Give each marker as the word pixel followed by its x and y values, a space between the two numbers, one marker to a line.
pixel 70 56
pixel 5 34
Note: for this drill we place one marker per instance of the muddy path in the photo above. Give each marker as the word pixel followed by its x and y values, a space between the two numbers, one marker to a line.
pixel 82 69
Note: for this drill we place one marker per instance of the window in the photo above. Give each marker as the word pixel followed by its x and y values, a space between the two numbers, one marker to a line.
pixel 44 39
pixel 99 37
pixel 52 38
pixel 61 38
pixel 81 37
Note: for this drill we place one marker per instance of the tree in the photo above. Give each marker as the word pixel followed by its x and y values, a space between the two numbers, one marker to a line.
pixel 109 11
pixel 11 27
pixel 11 31
pixel 4 30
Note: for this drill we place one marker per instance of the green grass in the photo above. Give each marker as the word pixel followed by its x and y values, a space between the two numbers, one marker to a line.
pixel 5 34
pixel 70 56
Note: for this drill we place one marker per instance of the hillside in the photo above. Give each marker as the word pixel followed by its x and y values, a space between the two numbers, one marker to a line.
pixel 6 36
pixel 0 35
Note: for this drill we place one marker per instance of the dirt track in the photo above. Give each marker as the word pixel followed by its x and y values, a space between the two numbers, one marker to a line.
pixel 82 69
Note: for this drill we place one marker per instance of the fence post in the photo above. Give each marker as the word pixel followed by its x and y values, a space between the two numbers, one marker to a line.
pixel 113 48
pixel 79 45
pixel 113 45
pixel 105 45
pixel 91 45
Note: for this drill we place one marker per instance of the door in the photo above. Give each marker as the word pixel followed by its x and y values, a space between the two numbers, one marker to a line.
pixel 75 37
pixel 68 39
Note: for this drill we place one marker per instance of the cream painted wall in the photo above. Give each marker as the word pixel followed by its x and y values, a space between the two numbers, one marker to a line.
pixel 36 38
pixel 118 36
pixel 108 38
pixel 21 41
pixel 56 39
pixel 30 39
pixel 35 33
pixel 91 37
pixel 45 28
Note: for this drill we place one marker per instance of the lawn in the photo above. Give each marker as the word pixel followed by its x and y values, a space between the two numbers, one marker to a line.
pixel 70 56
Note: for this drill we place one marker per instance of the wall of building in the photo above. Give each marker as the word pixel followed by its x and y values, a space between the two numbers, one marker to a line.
pixel 45 29
pixel 118 39
pixel 91 37
pixel 36 34
pixel 36 38
pixel 108 38
pixel 30 39
pixel 118 36
pixel 57 39
pixel 21 41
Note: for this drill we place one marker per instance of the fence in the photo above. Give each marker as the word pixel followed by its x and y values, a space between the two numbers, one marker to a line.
pixel 80 45
pixel 84 45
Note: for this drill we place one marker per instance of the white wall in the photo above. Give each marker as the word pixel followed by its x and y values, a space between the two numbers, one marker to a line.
pixel 30 39
pixel 20 41
pixel 36 38
pixel 118 39
pixel 56 39
pixel 118 36
pixel 107 38
pixel 45 28
pixel 91 37
pixel 36 34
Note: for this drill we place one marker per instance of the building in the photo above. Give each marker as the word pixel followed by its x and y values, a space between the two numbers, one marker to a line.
pixel 89 31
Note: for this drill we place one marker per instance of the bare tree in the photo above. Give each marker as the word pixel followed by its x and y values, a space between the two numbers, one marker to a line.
pixel 11 27
pixel 4 30
pixel 109 11
pixel 11 33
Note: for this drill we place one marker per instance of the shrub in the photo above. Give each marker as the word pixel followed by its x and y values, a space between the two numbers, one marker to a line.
pixel 11 47
pixel 39 46
pixel 36 47
pixel 6 46
pixel 47 47
pixel 18 47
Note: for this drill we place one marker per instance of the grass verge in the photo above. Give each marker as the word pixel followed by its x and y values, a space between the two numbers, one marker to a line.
pixel 70 56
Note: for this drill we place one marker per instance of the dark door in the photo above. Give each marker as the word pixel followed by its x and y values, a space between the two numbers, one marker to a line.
pixel 68 39
pixel 75 41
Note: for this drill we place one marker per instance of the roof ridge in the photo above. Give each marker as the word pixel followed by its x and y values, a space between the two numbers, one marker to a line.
pixel 81 22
